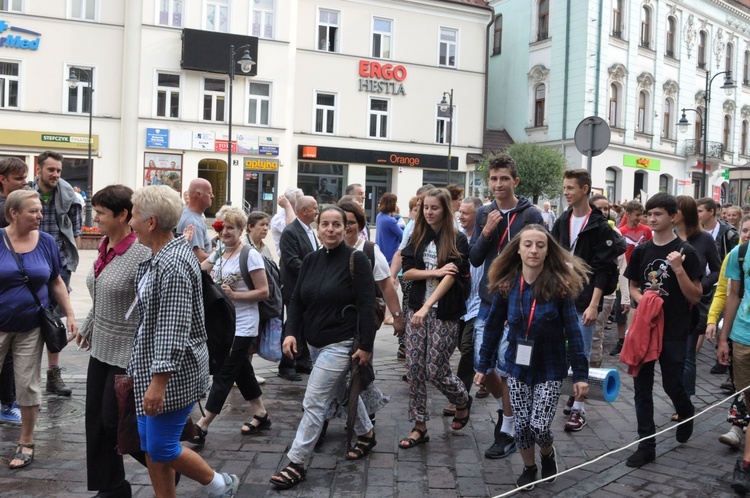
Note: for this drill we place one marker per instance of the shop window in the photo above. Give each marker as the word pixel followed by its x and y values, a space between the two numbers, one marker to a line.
pixel 610 183
pixel 325 182
pixel 259 104
pixel 497 40
pixel 214 95
pixel 263 16
pixel 438 177
pixel 448 47
pixel 170 13
pixel 168 95
pixel 325 113
pixel 82 9
pixel 328 30
pixel 702 37
pixel 378 125
pixel 9 82
pixel 382 33
pixel 79 99
pixel 217 16
pixel 11 5
pixel 665 184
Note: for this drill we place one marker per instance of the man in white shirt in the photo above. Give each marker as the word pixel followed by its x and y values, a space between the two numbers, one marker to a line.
pixel 285 215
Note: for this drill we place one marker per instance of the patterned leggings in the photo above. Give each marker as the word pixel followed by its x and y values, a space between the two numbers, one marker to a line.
pixel 533 410
pixel 429 347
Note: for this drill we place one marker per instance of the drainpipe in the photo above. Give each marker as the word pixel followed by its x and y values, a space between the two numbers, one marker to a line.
pixel 565 75
pixel 598 58
pixel 486 74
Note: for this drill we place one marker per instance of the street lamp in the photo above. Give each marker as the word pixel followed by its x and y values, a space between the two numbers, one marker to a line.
pixel 73 82
pixel 447 107
pixel 682 124
pixel 246 65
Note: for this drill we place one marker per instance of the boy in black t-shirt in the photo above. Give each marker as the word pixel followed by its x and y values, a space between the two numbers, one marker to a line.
pixel 671 267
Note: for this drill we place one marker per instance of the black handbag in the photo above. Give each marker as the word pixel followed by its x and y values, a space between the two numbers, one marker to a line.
pixel 53 330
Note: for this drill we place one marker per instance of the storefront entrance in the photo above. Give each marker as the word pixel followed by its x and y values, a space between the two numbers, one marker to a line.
pixel 215 171
pixel 260 191
pixel 377 182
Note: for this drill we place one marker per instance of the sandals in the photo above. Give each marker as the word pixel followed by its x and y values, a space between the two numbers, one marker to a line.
pixel 263 424
pixel 200 437
pixel 675 418
pixel 26 458
pixel 449 411
pixel 410 442
pixel 460 422
pixel 289 476
pixel 363 447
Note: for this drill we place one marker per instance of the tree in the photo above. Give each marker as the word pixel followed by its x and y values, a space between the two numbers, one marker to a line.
pixel 540 169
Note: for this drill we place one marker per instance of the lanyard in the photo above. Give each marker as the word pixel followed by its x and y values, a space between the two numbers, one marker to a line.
pixel 505 234
pixel 531 313
pixel 570 229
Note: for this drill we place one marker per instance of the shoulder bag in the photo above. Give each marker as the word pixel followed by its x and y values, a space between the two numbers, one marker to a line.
pixel 54 333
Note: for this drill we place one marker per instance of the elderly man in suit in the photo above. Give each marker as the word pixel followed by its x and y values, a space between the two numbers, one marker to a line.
pixel 297 241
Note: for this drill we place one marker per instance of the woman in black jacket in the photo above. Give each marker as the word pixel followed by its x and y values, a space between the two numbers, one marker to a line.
pixel 437 261
pixel 327 286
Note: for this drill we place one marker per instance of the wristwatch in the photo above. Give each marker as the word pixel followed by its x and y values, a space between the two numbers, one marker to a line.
pixel 396 314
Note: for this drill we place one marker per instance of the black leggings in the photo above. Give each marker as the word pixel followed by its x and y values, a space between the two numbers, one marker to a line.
pixel 236 368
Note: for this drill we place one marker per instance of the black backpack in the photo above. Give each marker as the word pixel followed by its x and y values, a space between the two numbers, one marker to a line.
pixel 741 259
pixel 220 319
pixel 271 307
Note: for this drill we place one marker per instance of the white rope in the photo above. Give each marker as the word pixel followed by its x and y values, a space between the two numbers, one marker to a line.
pixel 617 450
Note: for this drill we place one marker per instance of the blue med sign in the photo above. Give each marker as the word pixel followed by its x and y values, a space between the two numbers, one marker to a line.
pixel 157 138
pixel 18 37
pixel 267 150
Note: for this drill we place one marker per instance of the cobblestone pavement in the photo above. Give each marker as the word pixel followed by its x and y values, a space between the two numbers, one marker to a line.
pixel 450 465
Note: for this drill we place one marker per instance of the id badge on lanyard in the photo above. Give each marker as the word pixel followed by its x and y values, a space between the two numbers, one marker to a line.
pixel 525 347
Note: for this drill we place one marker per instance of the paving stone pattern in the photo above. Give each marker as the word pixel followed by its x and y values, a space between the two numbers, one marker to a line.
pixel 450 465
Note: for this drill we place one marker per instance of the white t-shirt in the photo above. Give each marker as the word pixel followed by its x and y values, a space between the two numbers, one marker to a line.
pixel 575 228
pixel 381 271
pixel 430 263
pixel 227 271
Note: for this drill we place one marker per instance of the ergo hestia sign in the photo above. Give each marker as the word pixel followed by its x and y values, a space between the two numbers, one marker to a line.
pixel 18 41
pixel 381 78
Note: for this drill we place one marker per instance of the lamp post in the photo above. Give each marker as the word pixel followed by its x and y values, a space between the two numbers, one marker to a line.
pixel 682 124
pixel 447 107
pixel 246 65
pixel 73 81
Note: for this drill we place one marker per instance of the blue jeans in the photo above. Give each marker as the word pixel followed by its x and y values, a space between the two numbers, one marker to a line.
pixel 480 322
pixel 672 362
pixel 587 334
pixel 330 369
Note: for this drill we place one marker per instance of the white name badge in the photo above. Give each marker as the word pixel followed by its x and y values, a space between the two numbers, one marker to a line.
pixel 523 353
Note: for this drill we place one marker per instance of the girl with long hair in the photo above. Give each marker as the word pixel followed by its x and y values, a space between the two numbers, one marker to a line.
pixel 436 260
pixel 535 282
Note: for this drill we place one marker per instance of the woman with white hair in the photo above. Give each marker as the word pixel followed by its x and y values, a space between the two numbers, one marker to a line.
pixel 169 364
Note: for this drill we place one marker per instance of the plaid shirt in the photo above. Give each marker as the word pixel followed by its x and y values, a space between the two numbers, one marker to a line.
pixel 49 223
pixel 171 333
pixel 554 323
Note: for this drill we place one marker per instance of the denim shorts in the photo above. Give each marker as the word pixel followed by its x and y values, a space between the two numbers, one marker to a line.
pixel 479 324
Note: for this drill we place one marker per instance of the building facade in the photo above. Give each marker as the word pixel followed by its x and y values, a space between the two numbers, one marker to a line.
pixel 636 64
pixel 341 92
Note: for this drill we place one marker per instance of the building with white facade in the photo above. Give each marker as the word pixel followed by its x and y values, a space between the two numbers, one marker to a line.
pixel 342 92
pixel 636 64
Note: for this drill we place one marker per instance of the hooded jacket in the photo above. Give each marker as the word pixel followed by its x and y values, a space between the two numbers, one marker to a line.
pixel 598 245
pixel 484 251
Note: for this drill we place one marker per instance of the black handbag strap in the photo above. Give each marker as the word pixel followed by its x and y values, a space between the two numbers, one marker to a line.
pixel 20 267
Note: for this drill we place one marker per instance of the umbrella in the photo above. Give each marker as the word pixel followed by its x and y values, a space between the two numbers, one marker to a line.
pixel 359 378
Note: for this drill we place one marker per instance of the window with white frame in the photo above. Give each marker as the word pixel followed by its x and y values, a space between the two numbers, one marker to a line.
pixel 497 40
pixel 79 99
pixel 729 63
pixel 746 68
pixel 542 28
pixel 382 34
pixel 325 113
pixel 539 99
pixel 9 82
pixel 646 27
pixel 667 114
pixel 665 182
pixel 328 30
pixel 168 95
pixel 217 16
pixel 259 104
pixel 443 131
pixel 11 5
pixel 617 18
pixel 614 105
pixel 642 117
pixel 610 182
pixel 702 41
pixel 214 97
pixel 743 141
pixel 170 13
pixel 378 125
pixel 263 15
pixel 448 47
pixel 82 9
pixel 671 37
pixel 727 133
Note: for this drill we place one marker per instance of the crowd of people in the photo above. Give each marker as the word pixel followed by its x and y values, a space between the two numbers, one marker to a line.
pixel 523 293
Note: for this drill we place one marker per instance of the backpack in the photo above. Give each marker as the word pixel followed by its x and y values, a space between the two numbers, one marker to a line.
pixel 613 268
pixel 369 250
pixel 220 318
pixel 741 259
pixel 272 306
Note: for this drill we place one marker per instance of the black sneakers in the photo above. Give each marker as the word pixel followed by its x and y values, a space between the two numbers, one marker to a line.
pixel 549 466
pixel 617 349
pixel 740 478
pixel 641 457
pixel 684 430
pixel 528 476
pixel 504 444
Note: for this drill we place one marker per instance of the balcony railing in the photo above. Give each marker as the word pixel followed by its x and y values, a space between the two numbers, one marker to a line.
pixel 701 65
pixel 695 148
pixel 617 34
